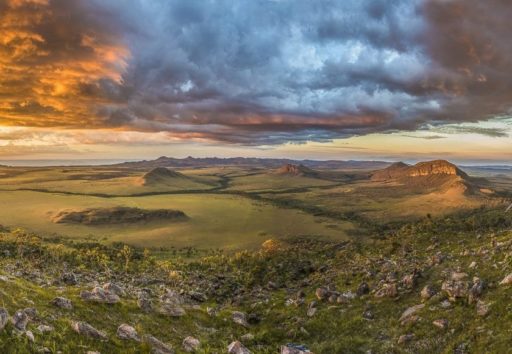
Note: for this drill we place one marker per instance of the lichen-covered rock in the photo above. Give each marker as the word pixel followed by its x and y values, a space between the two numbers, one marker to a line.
pixel 455 289
pixel 427 292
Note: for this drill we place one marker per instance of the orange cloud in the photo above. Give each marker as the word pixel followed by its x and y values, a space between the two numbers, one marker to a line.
pixel 48 57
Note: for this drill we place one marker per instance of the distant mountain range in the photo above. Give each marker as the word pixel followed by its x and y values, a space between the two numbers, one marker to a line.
pixel 191 162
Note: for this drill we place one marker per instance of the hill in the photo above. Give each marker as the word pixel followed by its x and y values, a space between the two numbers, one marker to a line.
pixel 161 175
pixel 439 175
pixel 296 170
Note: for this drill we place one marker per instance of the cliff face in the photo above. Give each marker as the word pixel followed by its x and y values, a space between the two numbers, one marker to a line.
pixel 422 169
pixel 437 167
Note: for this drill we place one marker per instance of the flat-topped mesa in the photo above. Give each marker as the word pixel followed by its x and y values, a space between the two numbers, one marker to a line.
pixel 400 170
pixel 295 170
pixel 436 167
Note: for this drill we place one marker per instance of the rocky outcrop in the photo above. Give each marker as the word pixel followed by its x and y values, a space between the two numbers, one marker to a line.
pixel 296 170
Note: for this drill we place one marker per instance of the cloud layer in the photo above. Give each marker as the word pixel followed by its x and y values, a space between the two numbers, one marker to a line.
pixel 254 72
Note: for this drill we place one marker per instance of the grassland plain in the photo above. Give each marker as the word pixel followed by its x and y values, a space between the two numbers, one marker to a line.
pixel 215 220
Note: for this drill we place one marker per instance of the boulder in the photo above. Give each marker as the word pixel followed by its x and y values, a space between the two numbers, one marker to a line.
pixel 191 344
pixel 363 289
pixel 237 348
pixel 62 302
pixel 411 311
pixel 113 288
pixel 85 329
pixel 387 290
pixel 455 289
pixel 441 323
pixel 294 349
pixel 240 318
pixel 157 346
pixel 507 280
pixel 20 320
pixel 127 332
pixel 405 338
pixel 172 310
pixel 427 292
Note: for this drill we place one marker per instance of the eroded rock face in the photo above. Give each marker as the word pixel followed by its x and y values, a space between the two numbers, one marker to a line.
pixel 85 329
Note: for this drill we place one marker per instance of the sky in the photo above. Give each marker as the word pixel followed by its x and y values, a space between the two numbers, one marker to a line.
pixel 354 79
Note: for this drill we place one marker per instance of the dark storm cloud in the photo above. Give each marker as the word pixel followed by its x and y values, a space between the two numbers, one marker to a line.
pixel 255 71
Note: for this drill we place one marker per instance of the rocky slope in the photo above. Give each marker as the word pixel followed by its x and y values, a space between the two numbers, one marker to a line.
pixel 434 286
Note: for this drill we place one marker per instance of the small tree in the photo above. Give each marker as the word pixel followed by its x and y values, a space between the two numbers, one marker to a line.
pixel 126 252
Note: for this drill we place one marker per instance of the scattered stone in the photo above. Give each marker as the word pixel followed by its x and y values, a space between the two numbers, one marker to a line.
pixel 445 304
pixel 114 289
pixel 427 292
pixel 127 332
pixel 144 302
pixel 476 290
pixel 294 349
pixel 62 302
pixel 87 330
pixel 368 315
pixel 237 348
pixel 482 308
pixel 472 265
pixel 45 328
pixel 20 320
pixel 410 281
pixel 172 310
pixel 322 293
pixel 458 276
pixel 363 289
pixel 441 323
pixel 311 311
pixel 191 344
pixel 240 318
pixel 99 295
pixel 197 296
pixel 69 278
pixel 157 346
pixel 4 317
pixel 455 289
pixel 387 290
pixel 411 311
pixel 405 338
pixel 30 336
pixel 507 280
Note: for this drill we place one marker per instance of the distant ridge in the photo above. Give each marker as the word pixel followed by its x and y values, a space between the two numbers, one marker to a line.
pixel 296 170
pixel 192 162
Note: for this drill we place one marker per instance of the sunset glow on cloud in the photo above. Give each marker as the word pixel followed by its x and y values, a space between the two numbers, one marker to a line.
pixel 330 79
